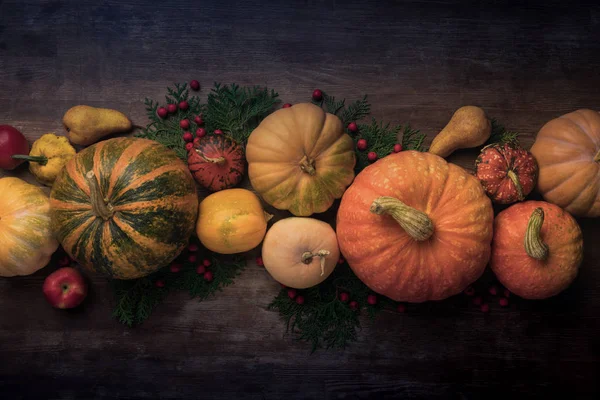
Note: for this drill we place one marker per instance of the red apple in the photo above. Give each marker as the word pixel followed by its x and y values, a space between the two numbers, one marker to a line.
pixel 65 288
pixel 12 142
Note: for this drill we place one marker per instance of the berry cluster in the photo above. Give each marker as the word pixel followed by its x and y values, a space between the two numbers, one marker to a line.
pixel 493 290
pixel 202 267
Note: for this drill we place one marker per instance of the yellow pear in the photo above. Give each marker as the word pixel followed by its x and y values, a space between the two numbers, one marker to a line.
pixel 86 125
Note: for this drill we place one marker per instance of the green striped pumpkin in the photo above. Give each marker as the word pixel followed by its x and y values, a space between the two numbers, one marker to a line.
pixel 124 207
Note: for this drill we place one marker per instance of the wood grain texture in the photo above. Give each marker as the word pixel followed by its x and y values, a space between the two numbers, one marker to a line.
pixel 418 61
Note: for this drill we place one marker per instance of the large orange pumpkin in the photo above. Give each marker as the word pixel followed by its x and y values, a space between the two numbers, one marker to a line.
pixel 414 227
pixel 567 150
pixel 300 159
pixel 537 249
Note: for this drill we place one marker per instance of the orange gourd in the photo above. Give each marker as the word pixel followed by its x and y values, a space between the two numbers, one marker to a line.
pixel 414 227
pixel 567 150
pixel 231 221
pixel 300 252
pixel 26 239
pixel 537 249
pixel 300 159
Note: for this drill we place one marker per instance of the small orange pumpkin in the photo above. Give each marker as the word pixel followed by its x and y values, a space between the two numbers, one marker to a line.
pixel 231 221
pixel 567 150
pixel 300 159
pixel 537 249
pixel 300 252
pixel 414 227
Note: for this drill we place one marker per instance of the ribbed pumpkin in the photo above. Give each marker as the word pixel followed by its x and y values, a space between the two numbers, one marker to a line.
pixel 26 240
pixel 507 172
pixel 217 162
pixel 414 227
pixel 300 159
pixel 567 150
pixel 124 207
pixel 537 249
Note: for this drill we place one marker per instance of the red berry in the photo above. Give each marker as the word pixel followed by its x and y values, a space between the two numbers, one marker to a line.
pixel 192 258
pixel 259 261
pixel 208 276
pixel 372 156
pixel 344 297
pixel 195 85
pixel 159 283
pixel 341 260
pixel 352 127
pixel 218 132
pixel 478 300
pixel 162 112
pixel 192 247
pixel 286 105
pixel 171 108
pixel 188 137
pixel 503 301
pixel 300 300
pixel 292 293
pixel 184 124
pixel 470 291
pixel 200 269
pixel 361 144
pixel 184 105
pixel 401 308
pixel 506 293
pixel 206 262
pixel 493 290
pixel 198 120
pixel 189 146
pixel 175 268
pixel 485 308
pixel 397 148
pixel 317 95
pixel 372 299
pixel 64 261
pixel 200 132
pixel 353 305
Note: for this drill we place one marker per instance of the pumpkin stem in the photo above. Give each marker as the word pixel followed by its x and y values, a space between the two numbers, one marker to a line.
pixel 42 160
pixel 307 258
pixel 534 246
pixel 597 157
pixel 416 223
pixel 268 216
pixel 219 160
pixel 100 206
pixel 515 180
pixel 307 165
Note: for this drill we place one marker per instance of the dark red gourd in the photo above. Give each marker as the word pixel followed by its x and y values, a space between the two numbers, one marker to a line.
pixel 217 162
pixel 507 172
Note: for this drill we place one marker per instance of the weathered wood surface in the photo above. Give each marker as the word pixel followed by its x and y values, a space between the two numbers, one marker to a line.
pixel 418 61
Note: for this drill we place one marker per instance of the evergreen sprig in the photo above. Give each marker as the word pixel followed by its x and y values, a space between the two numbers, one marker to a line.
pixel 501 136
pixel 136 299
pixel 237 111
pixel 233 109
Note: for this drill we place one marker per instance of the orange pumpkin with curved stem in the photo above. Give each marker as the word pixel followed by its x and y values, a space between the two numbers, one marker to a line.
pixel 567 150
pixel 414 227
pixel 537 249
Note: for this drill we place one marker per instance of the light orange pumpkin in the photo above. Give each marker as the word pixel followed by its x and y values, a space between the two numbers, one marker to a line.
pixel 300 252
pixel 231 221
pixel 300 159
pixel 26 240
pixel 537 249
pixel 414 227
pixel 567 150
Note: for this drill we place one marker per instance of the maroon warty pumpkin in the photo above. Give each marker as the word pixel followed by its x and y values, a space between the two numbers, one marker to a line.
pixel 507 172
pixel 217 162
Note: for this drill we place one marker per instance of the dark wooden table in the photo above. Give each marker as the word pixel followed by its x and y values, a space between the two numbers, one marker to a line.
pixel 418 61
